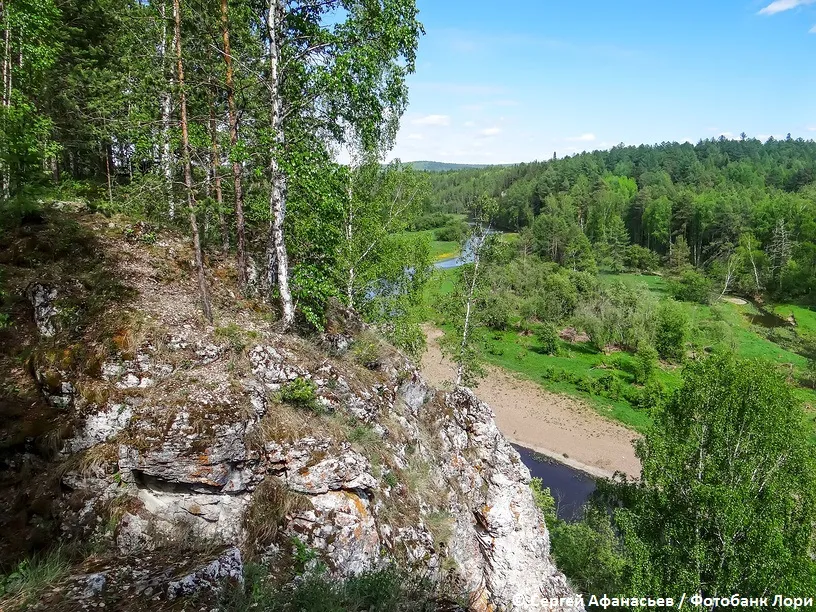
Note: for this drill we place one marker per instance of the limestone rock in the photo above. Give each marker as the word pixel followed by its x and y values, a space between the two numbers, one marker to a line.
pixel 226 567
pixel 42 298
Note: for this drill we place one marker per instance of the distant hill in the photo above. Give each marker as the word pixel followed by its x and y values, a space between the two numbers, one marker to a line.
pixel 432 166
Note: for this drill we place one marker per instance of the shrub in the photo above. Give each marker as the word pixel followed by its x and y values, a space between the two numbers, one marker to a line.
pixel 645 363
pixel 585 384
pixel 672 330
pixel 641 258
pixel 691 287
pixel 609 386
pixel 453 232
pixel 302 393
pixel 543 499
pixel 391 588
pixel 367 350
pixel 496 311
pixel 652 396
pixel 811 372
pixel 548 340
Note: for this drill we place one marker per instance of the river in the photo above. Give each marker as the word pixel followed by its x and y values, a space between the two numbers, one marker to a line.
pixel 570 488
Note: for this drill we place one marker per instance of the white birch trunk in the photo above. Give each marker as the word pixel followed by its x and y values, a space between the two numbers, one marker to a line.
pixel 276 249
pixel 460 370
pixel 166 111
pixel 5 174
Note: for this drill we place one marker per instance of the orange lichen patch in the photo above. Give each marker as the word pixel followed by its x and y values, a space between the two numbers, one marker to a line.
pixel 358 503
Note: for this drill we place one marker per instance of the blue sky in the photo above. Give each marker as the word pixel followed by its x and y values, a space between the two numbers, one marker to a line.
pixel 502 82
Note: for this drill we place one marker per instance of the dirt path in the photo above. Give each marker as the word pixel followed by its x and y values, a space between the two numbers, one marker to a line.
pixel 560 427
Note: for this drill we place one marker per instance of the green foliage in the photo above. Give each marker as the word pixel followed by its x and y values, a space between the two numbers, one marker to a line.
pixel 367 350
pixel 302 393
pixel 589 553
pixel 32 575
pixel 691 286
pixel 672 331
pixel 641 258
pixel 646 363
pixel 543 499
pixel 453 232
pixel 548 339
pixel 382 590
pixel 727 497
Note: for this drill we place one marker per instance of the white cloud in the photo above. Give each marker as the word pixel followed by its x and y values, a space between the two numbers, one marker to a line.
pixel 812 30
pixel 811 128
pixel 778 6
pixel 589 137
pixel 491 131
pixel 415 137
pixel 470 123
pixel 437 120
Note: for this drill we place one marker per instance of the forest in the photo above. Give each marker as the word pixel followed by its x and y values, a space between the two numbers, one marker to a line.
pixel 740 210
pixel 226 118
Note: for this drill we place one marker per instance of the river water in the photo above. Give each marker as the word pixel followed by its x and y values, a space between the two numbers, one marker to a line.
pixel 570 488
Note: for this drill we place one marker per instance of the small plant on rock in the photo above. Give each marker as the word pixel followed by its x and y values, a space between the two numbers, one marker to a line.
pixel 301 393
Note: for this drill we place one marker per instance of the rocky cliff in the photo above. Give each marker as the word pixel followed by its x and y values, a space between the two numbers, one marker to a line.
pixel 127 420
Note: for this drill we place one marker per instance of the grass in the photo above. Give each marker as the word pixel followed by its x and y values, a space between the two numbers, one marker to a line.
pixel 440 249
pixel 805 319
pixel 391 588
pixel 31 576
pixel 721 325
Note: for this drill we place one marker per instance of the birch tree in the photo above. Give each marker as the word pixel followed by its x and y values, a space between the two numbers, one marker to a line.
pixel 237 171
pixel 341 79
pixel 165 159
pixel 726 501
pixel 462 308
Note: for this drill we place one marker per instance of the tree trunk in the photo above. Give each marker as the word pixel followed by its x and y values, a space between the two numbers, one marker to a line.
pixel 460 370
pixel 215 163
pixel 188 169
pixel 276 246
pixel 5 173
pixel 108 173
pixel 236 164
pixel 166 111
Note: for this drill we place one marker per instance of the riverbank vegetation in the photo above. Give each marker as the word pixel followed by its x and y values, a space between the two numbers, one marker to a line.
pixel 726 500
pixel 593 297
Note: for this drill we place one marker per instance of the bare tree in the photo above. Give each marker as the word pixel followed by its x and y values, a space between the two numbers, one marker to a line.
pixel 215 175
pixel 236 164
pixel 188 169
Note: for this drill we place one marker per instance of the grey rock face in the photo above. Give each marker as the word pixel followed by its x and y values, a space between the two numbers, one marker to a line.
pixel 500 536
pixel 42 299
pixel 445 483
pixel 211 576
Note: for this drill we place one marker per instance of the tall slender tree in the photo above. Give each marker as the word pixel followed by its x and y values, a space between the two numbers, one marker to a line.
pixel 229 83
pixel 188 168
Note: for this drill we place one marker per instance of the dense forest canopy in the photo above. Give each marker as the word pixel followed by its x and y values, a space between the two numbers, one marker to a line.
pixel 740 207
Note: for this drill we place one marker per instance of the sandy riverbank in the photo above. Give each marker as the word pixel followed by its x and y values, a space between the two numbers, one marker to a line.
pixel 560 427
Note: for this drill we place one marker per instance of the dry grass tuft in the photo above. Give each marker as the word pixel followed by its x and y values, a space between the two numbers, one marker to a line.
pixel 272 503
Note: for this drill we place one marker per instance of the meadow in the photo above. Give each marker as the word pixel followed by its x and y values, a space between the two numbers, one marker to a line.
pixel 745 328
